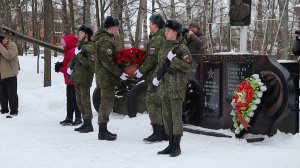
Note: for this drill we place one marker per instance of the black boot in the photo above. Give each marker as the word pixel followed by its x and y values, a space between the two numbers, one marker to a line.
pixel 176 146
pixel 82 126
pixel 88 128
pixel 77 121
pixel 156 136
pixel 104 134
pixel 168 149
pixel 67 121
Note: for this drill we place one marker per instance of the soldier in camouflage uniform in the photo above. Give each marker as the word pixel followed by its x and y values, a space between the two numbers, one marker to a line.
pixel 81 71
pixel 172 87
pixel 108 74
pixel 153 102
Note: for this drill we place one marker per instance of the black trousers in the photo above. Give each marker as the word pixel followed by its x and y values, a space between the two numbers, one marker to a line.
pixel 9 95
pixel 71 103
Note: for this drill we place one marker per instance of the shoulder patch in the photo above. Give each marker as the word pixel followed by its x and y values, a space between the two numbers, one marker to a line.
pixel 186 59
pixel 151 50
pixel 109 51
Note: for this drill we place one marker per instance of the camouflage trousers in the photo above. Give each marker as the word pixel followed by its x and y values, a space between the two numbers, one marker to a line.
pixel 153 104
pixel 84 101
pixel 172 115
pixel 106 104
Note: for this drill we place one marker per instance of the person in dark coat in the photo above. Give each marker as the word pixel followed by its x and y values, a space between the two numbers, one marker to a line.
pixel 296 46
pixel 69 42
pixel 196 41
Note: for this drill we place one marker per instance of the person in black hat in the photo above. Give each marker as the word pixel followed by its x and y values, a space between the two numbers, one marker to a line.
pixel 9 68
pixel 108 74
pixel 81 72
pixel 153 102
pixel 172 89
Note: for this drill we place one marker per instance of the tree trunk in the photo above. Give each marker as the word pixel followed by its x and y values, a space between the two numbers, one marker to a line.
pixel 84 12
pixel 88 13
pixel 128 23
pixel 259 26
pixel 97 14
pixel 66 24
pixel 173 10
pixel 152 6
pixel 48 24
pixel 284 44
pixel 145 25
pixel 188 11
pixel 103 9
pixel 139 24
pixel 72 20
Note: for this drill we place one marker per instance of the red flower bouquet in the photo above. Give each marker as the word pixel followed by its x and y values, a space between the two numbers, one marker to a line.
pixel 130 59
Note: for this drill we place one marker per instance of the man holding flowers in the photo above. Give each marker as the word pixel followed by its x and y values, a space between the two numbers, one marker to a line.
pixel 107 74
pixel 153 102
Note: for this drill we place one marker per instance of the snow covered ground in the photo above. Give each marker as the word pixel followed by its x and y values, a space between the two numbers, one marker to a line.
pixel 34 139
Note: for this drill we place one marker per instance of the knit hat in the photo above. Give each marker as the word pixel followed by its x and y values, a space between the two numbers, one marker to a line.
pixel 195 24
pixel 110 21
pixel 174 24
pixel 87 30
pixel 157 19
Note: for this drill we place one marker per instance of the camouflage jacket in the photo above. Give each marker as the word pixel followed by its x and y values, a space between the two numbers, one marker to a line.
pixel 153 46
pixel 107 72
pixel 83 66
pixel 174 86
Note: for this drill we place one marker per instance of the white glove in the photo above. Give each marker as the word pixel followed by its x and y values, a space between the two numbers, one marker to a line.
pixel 77 51
pixel 138 74
pixel 124 76
pixel 155 82
pixel 69 71
pixel 171 55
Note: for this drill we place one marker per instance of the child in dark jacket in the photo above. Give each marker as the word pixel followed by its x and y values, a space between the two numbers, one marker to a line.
pixel 69 42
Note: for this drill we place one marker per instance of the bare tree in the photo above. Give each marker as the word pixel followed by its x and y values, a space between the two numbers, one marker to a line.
pixel 72 20
pixel 48 24
pixel 283 33
pixel 139 23
pixel 66 24
pixel 97 14
pixel 145 25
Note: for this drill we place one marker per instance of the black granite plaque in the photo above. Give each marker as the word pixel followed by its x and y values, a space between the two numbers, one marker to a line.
pixel 235 72
pixel 211 89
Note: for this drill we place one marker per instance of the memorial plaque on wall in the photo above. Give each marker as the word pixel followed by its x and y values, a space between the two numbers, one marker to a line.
pixel 211 89
pixel 235 72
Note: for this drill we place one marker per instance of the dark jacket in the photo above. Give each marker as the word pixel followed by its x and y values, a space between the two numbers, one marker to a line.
pixel 174 86
pixel 83 65
pixel 296 47
pixel 196 44
pixel 154 45
pixel 107 72
pixel 69 49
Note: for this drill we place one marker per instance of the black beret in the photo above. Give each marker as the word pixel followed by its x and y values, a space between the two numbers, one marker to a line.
pixel 87 30
pixel 158 20
pixel 174 24
pixel 111 22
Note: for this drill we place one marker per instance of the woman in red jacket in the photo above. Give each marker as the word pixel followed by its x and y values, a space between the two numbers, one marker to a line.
pixel 69 42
